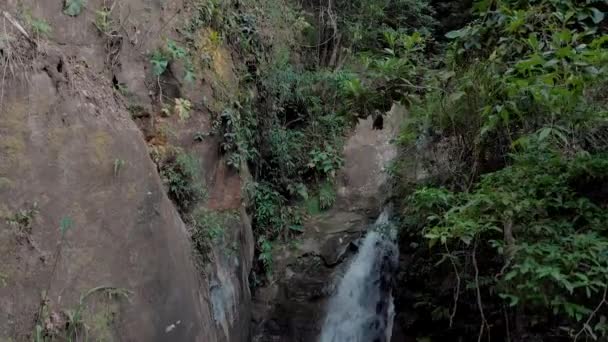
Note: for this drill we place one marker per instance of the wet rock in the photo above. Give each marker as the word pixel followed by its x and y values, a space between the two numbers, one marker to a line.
pixel 306 276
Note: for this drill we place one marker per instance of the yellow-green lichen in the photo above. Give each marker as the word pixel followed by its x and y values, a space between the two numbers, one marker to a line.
pixel 101 141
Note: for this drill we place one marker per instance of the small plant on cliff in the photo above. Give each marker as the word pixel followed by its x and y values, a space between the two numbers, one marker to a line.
pixel 160 62
pixel 172 51
pixel 326 162
pixel 74 7
pixel 265 247
pixel 208 228
pixel 103 20
pixel 70 324
pixel 40 28
pixel 182 176
pixel 182 108
pixel 327 195
pixel 23 220
pixel 119 164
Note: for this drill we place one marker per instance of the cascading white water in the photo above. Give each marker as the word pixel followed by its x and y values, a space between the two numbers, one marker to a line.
pixel 362 308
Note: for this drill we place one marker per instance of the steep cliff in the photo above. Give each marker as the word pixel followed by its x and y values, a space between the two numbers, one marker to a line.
pixel 83 208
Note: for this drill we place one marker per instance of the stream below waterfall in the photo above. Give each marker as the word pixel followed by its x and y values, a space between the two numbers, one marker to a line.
pixel 362 309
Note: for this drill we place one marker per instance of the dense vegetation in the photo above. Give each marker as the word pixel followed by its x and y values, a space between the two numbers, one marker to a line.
pixel 501 180
pixel 301 86
pixel 511 136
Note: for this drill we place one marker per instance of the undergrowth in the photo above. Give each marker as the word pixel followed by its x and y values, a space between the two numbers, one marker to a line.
pixel 209 229
pixel 181 173
pixel 511 135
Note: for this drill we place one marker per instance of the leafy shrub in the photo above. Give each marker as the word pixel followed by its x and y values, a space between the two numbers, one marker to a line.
pixel 547 241
pixel 74 7
pixel 289 120
pixel 181 174
pixel 364 21
pixel 159 62
pixel 326 162
pixel 503 127
pixel 23 220
pixel 39 27
pixel 265 254
pixel 209 227
pixel 327 195
pixel 172 51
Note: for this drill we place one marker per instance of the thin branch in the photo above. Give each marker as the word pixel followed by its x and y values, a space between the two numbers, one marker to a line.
pixel 597 309
pixel 484 322
pixel 457 290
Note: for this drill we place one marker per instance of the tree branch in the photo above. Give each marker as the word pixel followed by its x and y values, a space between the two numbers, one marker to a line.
pixel 457 290
pixel 484 322
pixel 592 315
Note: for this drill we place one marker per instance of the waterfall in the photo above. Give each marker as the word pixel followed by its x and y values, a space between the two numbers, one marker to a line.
pixel 362 308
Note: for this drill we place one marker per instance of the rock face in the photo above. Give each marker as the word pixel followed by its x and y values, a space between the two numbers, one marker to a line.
pixel 362 183
pixel 292 307
pixel 58 151
pixel 82 206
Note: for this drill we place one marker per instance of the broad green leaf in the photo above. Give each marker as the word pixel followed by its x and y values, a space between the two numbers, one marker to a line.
pixel 159 66
pixel 457 33
pixel 544 133
pixel 513 300
pixel 510 275
pixel 596 15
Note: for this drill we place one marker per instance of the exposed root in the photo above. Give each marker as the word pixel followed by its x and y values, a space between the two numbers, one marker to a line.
pixel 17 51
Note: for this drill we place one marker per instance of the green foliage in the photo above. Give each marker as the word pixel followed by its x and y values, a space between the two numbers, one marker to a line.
pixel 265 254
pixel 206 14
pixel 208 228
pixel 528 81
pixel 159 62
pixel 506 134
pixel 182 108
pixel 23 220
pixel 326 162
pixel 119 164
pixel 172 51
pixel 556 261
pixel 74 7
pixel 181 174
pixel 365 21
pixel 289 120
pixel 39 27
pixel 327 195
pixel 289 140
pixel 65 225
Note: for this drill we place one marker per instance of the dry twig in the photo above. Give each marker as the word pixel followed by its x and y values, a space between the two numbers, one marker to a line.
pixel 592 315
